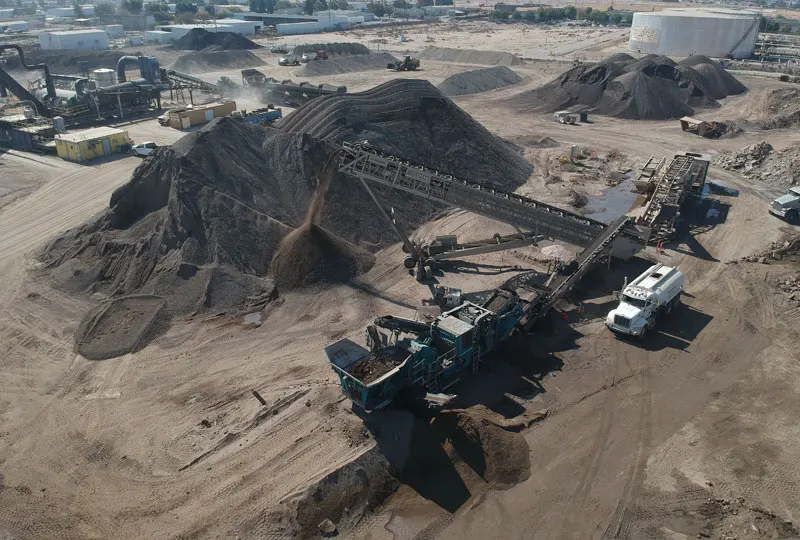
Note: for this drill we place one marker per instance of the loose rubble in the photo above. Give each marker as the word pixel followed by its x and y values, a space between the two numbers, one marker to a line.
pixel 761 162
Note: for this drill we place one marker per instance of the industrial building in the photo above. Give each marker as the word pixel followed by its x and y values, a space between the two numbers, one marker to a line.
pixel 88 11
pixel 91 143
pixel 177 31
pixel 321 21
pixel 114 30
pixel 92 39
pixel 718 33
pixel 13 26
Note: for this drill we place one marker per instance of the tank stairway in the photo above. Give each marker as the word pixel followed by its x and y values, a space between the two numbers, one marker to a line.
pixel 366 163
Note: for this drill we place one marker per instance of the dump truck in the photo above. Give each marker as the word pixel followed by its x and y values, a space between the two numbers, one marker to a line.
pixel 787 206
pixel 406 64
pixel 657 291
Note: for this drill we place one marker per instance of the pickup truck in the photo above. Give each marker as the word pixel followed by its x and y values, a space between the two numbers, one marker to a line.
pixel 658 290
pixel 787 206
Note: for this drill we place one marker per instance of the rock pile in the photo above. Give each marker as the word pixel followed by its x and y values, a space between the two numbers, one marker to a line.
pixel 333 49
pixel 761 162
pixel 471 56
pixel 791 287
pixel 788 248
pixel 346 64
pixel 651 88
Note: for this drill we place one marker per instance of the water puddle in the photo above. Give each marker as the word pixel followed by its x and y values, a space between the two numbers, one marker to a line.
pixel 615 202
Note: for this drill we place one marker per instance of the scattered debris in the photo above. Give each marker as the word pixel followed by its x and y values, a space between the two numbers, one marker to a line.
pixel 327 527
pixel 761 162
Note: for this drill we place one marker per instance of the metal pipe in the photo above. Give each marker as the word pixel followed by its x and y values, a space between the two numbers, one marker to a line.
pixel 48 80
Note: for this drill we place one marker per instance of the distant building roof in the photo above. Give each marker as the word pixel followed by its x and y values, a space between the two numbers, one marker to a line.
pixel 73 32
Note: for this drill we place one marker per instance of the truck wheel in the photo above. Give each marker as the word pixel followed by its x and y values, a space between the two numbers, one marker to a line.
pixel 792 216
pixel 644 331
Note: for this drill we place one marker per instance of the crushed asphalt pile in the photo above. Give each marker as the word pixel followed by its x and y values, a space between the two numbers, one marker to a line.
pixel 414 120
pixel 202 61
pixel 479 80
pixel 761 162
pixel 346 64
pixel 471 56
pixel 198 39
pixel 650 88
pixel 333 49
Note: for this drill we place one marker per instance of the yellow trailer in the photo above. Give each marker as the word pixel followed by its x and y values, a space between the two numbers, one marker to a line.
pixel 91 143
pixel 199 114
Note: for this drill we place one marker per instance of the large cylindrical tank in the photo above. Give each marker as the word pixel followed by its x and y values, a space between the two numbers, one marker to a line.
pixel 104 77
pixel 58 124
pixel 717 33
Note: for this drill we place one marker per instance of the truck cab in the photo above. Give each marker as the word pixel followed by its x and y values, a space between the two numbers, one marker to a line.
pixel 787 206
pixel 654 292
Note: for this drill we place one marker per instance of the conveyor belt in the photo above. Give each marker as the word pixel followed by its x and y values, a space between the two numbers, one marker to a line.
pixel 366 163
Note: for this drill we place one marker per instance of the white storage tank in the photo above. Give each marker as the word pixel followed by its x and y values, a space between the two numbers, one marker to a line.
pixel 104 77
pixel 717 33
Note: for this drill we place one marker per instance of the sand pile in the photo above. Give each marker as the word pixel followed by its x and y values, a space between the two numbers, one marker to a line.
pixel 310 254
pixel 346 64
pixel 198 39
pixel 479 80
pixel 471 56
pixel 333 49
pixel 211 60
pixel 414 120
pixel 651 88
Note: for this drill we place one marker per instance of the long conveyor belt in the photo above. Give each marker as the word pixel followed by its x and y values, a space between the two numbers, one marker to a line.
pixel 367 163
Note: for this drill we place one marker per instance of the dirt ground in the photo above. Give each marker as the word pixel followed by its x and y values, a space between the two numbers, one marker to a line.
pixel 690 434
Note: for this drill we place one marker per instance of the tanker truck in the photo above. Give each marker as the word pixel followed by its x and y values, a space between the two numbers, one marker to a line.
pixel 657 291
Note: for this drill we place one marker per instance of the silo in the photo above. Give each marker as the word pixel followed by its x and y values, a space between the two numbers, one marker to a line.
pixel 104 77
pixel 717 33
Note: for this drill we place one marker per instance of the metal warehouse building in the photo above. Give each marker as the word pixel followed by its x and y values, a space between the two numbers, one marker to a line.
pixel 712 32
pixel 74 40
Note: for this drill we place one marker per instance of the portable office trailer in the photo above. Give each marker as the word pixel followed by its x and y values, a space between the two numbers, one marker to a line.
pixel 91 143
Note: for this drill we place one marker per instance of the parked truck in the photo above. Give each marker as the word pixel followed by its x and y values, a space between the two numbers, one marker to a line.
pixel 657 291
pixel 787 206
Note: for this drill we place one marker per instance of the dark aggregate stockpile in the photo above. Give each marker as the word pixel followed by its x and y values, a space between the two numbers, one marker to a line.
pixel 346 64
pixel 651 88
pixel 198 39
pixel 414 120
pixel 479 80
pixel 199 222
pixel 333 49
pixel 211 60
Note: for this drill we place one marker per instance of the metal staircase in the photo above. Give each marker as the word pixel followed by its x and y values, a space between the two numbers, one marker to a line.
pixel 366 163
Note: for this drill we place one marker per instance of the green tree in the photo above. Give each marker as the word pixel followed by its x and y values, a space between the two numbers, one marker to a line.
pixel 762 24
pixel 786 28
pixel 105 10
pixel 377 8
pixel 134 7
pixel 284 4
pixel 184 6
pixel 320 5
pixel 571 13
pixel 530 15
pixel 308 6
pixel 517 16
pixel 499 16
pixel 616 18
pixel 78 11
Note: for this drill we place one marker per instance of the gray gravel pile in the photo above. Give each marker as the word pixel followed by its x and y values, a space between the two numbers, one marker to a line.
pixel 333 49
pixel 761 162
pixel 650 88
pixel 471 56
pixel 479 80
pixel 346 64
